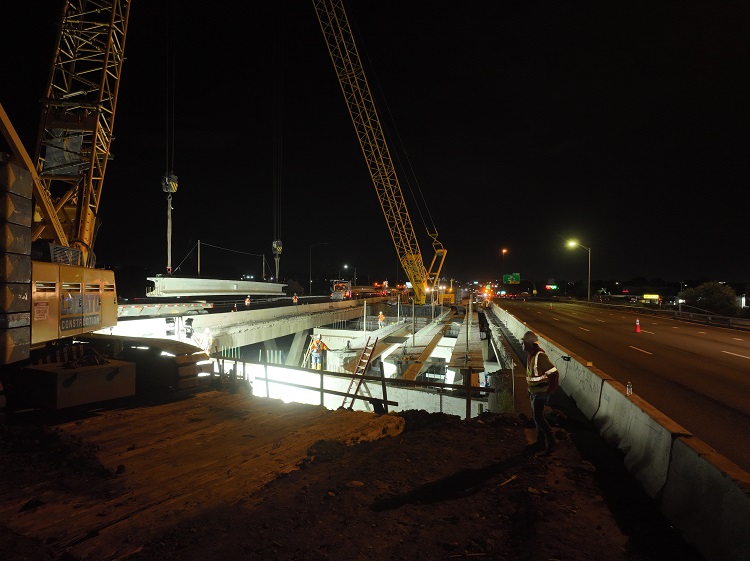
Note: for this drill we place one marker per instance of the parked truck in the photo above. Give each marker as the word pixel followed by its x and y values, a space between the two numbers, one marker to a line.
pixel 341 290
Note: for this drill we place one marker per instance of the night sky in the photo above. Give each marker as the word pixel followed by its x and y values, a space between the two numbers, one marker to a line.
pixel 621 124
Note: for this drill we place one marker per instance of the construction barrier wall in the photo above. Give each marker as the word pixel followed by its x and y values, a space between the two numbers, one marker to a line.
pixel 703 494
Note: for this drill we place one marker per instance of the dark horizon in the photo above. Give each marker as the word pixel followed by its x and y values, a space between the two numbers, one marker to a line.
pixel 624 127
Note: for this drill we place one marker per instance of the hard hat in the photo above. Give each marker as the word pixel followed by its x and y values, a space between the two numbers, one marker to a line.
pixel 317 337
pixel 530 337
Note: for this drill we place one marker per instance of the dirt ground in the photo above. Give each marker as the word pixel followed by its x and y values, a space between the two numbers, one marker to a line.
pixel 444 488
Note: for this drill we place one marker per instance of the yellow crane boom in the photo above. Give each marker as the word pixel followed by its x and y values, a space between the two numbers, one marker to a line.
pixel 50 298
pixel 75 131
pixel 338 36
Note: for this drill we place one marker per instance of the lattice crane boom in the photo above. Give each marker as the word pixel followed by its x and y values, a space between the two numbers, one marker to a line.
pixel 338 36
pixel 75 131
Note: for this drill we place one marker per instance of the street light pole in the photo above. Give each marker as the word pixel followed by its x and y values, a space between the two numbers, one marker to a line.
pixel 432 304
pixel 574 243
pixel 311 246
pixel 588 297
pixel 502 269
pixel 354 280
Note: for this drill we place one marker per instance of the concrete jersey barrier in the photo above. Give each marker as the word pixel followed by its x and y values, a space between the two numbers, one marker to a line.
pixel 703 494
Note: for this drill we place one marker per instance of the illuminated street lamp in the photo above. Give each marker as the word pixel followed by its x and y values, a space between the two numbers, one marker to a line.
pixel 574 243
pixel 502 268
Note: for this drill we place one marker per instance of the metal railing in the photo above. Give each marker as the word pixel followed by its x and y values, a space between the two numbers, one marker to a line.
pixel 235 371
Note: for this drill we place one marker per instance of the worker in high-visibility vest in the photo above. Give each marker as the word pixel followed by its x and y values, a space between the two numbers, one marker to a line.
pixel 294 298
pixel 381 320
pixel 540 373
pixel 317 346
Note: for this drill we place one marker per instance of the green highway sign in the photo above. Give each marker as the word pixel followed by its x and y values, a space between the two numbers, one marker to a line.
pixel 513 278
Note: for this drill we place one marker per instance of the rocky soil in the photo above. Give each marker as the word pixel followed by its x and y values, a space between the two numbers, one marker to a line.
pixel 444 488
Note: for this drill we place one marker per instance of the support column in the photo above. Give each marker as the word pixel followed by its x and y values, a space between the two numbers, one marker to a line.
pixel 298 349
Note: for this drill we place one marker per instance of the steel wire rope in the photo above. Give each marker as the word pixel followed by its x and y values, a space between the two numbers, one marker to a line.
pixel 223 249
pixel 399 144
pixel 170 79
pixel 277 124
pixel 169 180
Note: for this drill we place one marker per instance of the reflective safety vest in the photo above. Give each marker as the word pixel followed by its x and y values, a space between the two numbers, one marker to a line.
pixel 537 381
pixel 294 298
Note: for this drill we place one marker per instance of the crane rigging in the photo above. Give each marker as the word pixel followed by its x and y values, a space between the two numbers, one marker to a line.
pixel 169 181
pixel 341 46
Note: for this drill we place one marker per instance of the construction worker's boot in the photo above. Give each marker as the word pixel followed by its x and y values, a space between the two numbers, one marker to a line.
pixel 536 446
pixel 549 447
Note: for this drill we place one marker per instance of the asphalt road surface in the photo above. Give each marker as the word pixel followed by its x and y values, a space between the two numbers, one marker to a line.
pixel 696 374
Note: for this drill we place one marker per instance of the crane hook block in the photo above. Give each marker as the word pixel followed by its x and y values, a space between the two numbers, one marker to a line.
pixel 169 183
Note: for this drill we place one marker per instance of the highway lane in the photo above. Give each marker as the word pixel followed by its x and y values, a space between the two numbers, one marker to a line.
pixel 698 375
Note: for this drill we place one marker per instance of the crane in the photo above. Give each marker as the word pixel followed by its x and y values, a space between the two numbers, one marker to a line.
pixel 52 296
pixel 51 244
pixel 75 131
pixel 341 46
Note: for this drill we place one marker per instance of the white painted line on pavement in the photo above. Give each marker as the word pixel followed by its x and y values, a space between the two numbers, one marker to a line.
pixel 640 350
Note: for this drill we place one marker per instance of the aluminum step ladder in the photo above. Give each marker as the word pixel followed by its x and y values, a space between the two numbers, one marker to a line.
pixel 363 365
pixel 306 358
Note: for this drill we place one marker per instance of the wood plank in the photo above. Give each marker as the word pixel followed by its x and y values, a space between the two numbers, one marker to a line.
pixel 178 459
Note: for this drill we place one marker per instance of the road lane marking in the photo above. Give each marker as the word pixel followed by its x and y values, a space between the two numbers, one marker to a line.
pixel 584 329
pixel 649 332
pixel 640 350
pixel 735 354
pixel 602 320
pixel 738 338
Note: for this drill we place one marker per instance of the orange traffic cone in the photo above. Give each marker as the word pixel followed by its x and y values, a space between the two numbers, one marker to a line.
pixel 637 326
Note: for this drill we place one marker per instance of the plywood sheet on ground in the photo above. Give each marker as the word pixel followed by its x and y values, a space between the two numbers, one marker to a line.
pixel 175 460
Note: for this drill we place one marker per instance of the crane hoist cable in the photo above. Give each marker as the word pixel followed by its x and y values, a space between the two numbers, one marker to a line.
pixel 277 103
pixel 417 194
pixel 169 180
pixel 421 201
pixel 336 30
